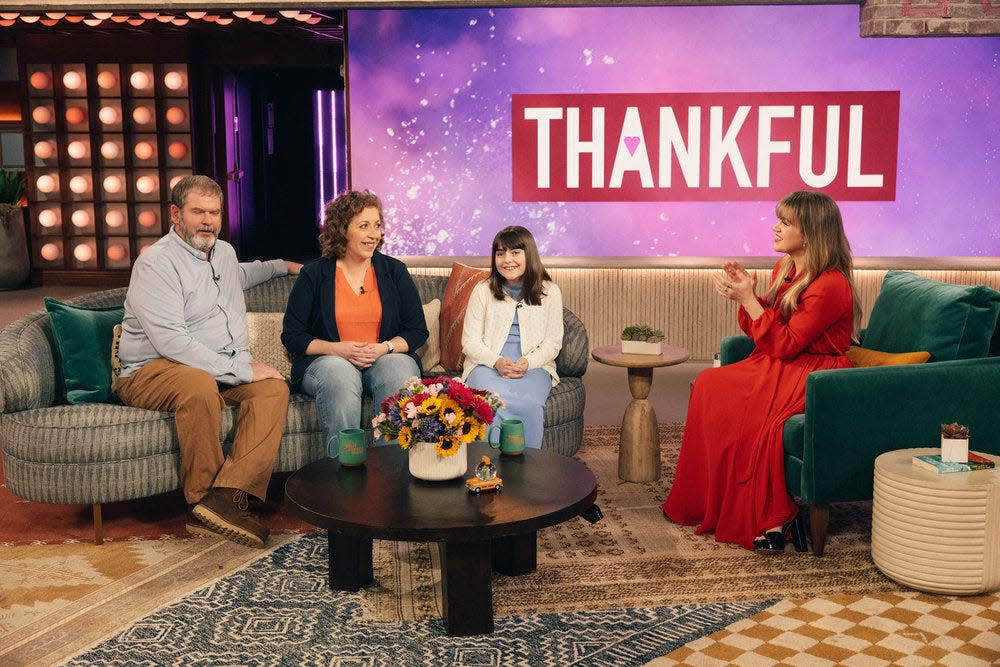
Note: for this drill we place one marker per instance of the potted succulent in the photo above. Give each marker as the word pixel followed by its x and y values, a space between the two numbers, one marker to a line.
pixel 641 339
pixel 14 262
pixel 955 442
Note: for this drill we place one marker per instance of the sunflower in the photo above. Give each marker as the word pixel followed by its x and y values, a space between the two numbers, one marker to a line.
pixel 405 437
pixel 446 447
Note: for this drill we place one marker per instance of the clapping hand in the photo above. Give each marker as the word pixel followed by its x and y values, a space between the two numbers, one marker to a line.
pixel 735 282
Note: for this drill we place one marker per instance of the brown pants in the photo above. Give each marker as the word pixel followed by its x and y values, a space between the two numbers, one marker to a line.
pixel 197 400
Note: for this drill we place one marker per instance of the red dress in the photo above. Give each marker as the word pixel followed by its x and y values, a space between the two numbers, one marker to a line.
pixel 730 476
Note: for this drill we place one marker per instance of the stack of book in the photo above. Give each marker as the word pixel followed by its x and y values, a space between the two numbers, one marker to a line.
pixel 934 463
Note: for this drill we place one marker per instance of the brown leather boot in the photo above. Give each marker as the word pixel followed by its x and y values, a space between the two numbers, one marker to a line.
pixel 226 512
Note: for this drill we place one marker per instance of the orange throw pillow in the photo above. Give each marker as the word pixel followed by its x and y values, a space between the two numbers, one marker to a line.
pixel 456 299
pixel 859 356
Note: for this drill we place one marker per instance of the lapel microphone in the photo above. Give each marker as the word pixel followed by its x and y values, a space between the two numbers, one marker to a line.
pixel 215 276
pixel 361 290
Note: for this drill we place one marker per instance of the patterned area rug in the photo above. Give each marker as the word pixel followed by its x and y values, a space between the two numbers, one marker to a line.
pixel 635 557
pixel 279 611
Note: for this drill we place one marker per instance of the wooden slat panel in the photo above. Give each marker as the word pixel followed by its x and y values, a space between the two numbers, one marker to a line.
pixel 683 303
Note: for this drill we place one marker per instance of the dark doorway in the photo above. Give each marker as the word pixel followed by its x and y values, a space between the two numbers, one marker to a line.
pixel 269 152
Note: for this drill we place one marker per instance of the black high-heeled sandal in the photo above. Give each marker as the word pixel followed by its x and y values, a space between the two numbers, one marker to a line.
pixel 773 541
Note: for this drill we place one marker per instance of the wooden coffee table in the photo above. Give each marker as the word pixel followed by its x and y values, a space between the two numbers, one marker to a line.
pixel 639 454
pixel 476 534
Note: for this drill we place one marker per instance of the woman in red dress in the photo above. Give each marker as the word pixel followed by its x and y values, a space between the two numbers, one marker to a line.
pixel 730 474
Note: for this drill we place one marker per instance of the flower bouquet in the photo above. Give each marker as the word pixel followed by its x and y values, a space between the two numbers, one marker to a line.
pixel 440 410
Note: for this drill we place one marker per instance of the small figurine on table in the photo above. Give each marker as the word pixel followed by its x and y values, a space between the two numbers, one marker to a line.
pixel 486 478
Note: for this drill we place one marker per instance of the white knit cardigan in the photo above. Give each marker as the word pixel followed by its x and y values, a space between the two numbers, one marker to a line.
pixel 488 321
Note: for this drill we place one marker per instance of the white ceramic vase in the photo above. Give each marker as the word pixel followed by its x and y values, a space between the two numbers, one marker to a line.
pixel 426 463
pixel 641 347
pixel 955 450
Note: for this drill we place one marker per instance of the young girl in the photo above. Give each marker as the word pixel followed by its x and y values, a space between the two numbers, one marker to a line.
pixel 513 332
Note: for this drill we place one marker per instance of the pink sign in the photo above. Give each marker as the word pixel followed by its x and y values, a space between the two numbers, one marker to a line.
pixel 704 146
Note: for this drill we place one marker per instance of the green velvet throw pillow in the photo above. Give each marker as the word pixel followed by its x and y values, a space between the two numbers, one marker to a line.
pixel 916 313
pixel 83 340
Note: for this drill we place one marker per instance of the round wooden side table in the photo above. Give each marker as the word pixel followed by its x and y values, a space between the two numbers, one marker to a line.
pixel 936 532
pixel 639 455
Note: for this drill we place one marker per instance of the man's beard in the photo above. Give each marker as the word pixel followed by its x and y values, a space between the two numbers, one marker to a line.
pixel 198 243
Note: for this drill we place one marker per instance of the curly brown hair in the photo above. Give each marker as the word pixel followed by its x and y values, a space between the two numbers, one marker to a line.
pixel 338 215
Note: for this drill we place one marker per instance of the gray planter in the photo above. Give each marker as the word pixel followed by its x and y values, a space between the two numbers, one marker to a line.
pixel 15 264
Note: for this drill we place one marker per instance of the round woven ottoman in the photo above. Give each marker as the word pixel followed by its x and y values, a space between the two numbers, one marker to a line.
pixel 936 532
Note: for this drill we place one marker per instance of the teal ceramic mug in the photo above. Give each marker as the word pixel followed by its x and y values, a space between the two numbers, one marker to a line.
pixel 511 441
pixel 353 449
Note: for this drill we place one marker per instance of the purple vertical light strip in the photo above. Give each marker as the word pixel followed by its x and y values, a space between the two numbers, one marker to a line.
pixel 320 155
pixel 333 141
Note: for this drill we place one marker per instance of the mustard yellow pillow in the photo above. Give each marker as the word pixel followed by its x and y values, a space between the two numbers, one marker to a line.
pixel 859 356
pixel 430 352
pixel 265 341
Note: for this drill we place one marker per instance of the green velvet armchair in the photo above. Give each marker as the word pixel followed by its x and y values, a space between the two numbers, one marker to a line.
pixel 855 414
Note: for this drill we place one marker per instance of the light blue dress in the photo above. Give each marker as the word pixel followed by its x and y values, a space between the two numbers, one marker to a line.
pixel 524 397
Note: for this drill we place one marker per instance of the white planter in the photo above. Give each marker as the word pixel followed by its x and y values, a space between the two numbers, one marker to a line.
pixel 641 347
pixel 426 463
pixel 955 450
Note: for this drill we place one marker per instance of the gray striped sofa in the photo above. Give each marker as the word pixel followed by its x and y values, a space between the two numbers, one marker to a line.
pixel 100 452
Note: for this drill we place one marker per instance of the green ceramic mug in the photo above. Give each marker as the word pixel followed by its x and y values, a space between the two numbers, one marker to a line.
pixel 352 451
pixel 511 441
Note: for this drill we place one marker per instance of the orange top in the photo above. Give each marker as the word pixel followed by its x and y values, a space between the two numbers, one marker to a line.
pixel 358 316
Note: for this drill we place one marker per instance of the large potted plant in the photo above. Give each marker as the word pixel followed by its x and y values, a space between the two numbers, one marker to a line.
pixel 14 262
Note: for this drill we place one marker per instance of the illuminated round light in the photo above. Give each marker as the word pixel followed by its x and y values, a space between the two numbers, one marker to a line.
pixel 44 149
pixel 80 218
pixel 77 149
pixel 177 149
pixel 55 15
pixel 50 251
pixel 141 80
pixel 47 183
pixel 135 22
pixel 116 252
pixel 72 80
pixel 174 181
pixel 110 150
pixel 113 184
pixel 176 115
pixel 196 15
pixel 79 184
pixel 83 252
pixel 40 80
pixel 173 80
pixel 147 219
pixel 106 79
pixel 104 16
pixel 149 15
pixel 289 13
pixel 109 115
pixel 48 218
pixel 145 184
pixel 145 246
pixel 144 150
pixel 242 13
pixel 75 115
pixel 224 21
pixel 42 115
pixel 142 115
pixel 32 18
pixel 114 218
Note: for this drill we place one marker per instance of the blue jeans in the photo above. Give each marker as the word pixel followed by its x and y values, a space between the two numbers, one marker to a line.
pixel 337 385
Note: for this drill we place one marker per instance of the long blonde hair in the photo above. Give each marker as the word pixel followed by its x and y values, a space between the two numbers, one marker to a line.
pixel 826 248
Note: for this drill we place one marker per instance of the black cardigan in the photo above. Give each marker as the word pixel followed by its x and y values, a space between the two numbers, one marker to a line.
pixel 309 313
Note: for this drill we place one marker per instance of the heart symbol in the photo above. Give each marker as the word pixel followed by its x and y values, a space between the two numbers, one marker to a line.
pixel 631 143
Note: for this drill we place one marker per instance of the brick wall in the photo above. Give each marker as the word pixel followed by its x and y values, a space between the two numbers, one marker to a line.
pixel 929 18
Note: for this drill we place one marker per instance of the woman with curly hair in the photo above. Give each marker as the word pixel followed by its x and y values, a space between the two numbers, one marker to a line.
pixel 354 318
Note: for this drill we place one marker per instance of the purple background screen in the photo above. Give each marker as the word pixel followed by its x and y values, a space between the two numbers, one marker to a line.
pixel 430 125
